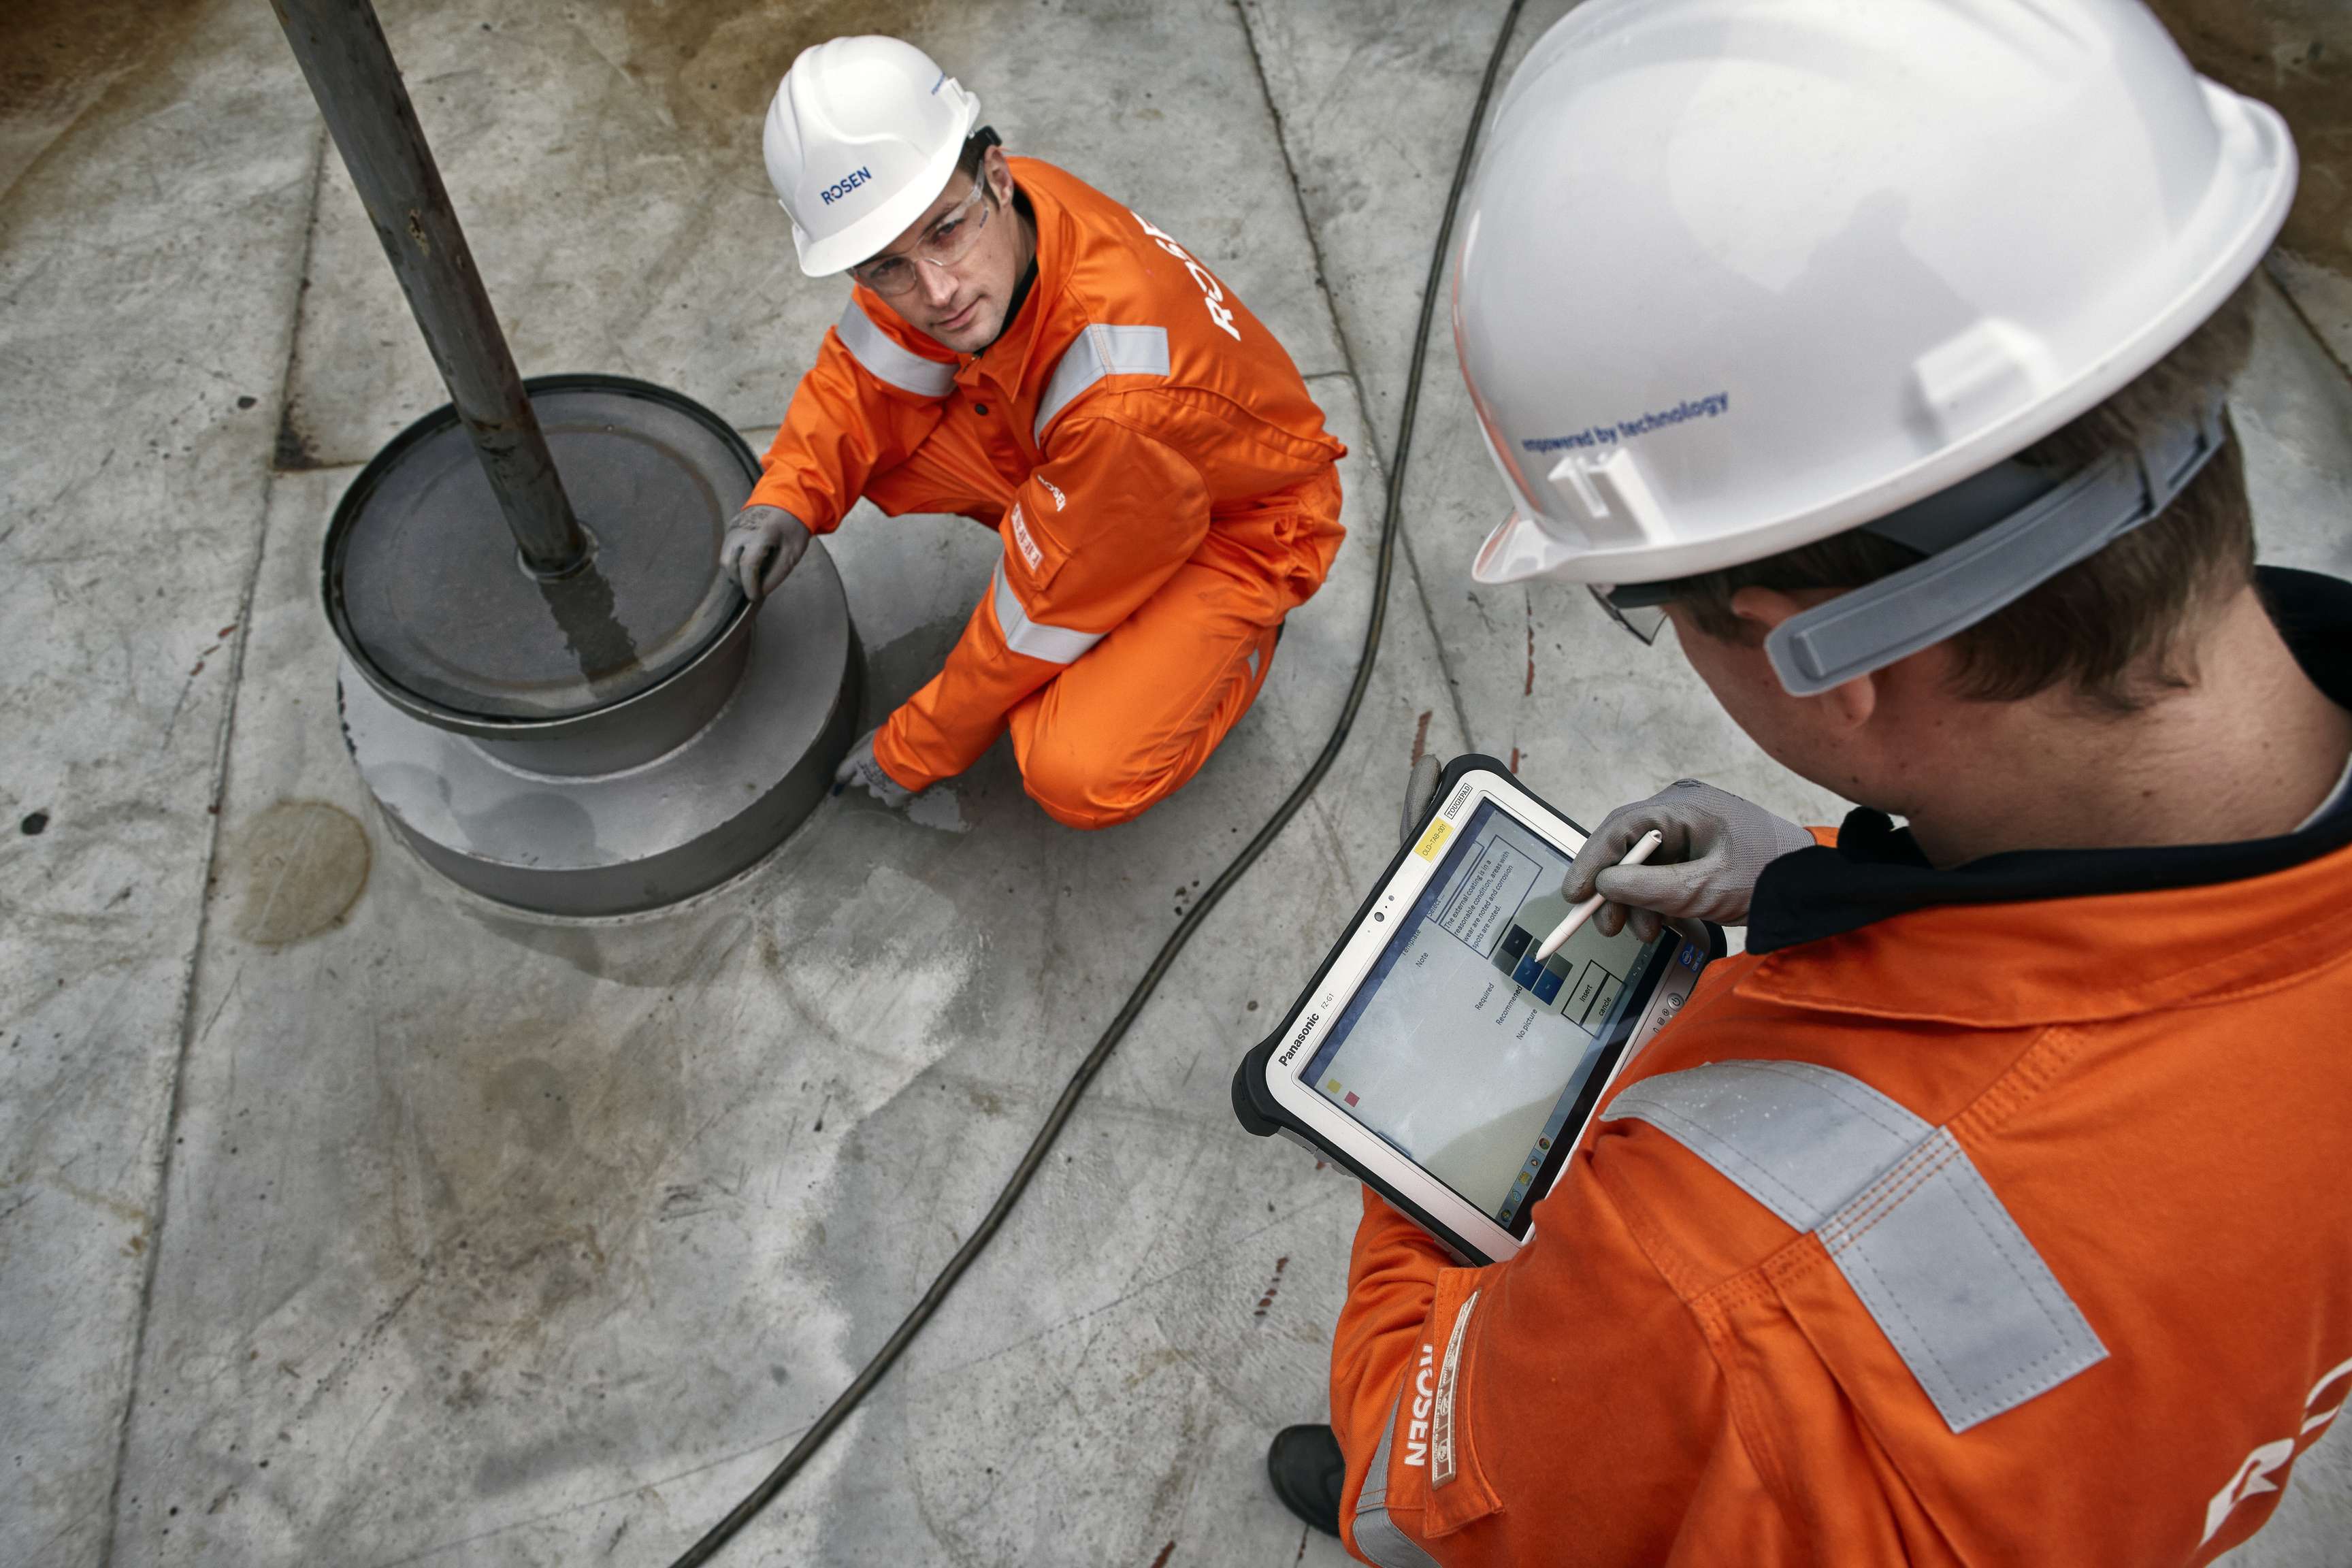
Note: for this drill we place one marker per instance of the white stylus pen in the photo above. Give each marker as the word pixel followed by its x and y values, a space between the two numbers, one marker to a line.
pixel 1643 847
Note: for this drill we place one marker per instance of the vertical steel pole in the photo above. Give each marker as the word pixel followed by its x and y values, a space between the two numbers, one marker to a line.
pixel 349 67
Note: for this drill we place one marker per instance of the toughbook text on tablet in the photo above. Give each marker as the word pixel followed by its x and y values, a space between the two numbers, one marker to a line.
pixel 1433 1055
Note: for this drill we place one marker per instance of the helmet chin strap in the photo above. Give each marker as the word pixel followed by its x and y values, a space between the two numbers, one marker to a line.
pixel 1988 541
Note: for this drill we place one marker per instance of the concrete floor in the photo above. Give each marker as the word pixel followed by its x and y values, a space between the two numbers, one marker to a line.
pixel 346 1219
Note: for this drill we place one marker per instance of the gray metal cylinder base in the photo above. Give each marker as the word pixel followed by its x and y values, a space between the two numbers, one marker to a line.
pixel 613 843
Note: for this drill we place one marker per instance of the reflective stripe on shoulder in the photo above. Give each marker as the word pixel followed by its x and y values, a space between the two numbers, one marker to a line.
pixel 1377 1536
pixel 888 361
pixel 1094 353
pixel 1799 1139
pixel 1899 1207
pixel 1056 644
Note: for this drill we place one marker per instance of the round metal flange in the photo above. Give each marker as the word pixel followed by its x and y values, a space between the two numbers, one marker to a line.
pixel 435 608
pixel 611 741
pixel 645 835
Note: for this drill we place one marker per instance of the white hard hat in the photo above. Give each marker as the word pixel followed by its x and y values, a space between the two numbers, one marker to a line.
pixel 863 134
pixel 1739 277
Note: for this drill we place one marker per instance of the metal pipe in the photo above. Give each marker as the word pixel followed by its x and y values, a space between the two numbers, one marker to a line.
pixel 342 52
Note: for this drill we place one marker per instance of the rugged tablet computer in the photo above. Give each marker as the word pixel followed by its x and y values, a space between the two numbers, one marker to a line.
pixel 1433 1055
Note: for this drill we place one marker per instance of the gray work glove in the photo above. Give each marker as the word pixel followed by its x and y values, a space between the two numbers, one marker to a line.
pixel 1419 787
pixel 861 768
pixel 1715 846
pixel 761 547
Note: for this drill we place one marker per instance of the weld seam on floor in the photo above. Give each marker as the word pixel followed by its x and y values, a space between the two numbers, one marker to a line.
pixel 223 737
pixel 1381 463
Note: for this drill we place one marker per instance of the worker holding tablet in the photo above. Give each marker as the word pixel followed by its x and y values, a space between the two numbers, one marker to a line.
pixel 1023 349
pixel 1991 1207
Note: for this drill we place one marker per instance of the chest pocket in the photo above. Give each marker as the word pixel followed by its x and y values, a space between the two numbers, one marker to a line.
pixel 1900 1208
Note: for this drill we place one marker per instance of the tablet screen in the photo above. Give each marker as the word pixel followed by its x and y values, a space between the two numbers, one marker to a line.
pixel 1459 1049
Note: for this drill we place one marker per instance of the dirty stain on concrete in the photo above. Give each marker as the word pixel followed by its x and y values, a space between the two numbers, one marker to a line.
pixel 718 64
pixel 2296 56
pixel 303 864
pixel 58 60
pixel 519 1164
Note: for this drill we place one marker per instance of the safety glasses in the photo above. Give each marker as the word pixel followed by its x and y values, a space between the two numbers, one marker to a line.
pixel 948 241
pixel 1639 607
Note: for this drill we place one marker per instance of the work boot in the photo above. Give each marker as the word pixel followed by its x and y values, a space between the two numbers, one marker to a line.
pixel 1307 1473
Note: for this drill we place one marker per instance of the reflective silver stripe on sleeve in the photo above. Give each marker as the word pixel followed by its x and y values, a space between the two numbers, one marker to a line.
pixel 1056 644
pixel 886 361
pixel 1799 1139
pixel 1909 1220
pixel 1377 1536
pixel 1094 353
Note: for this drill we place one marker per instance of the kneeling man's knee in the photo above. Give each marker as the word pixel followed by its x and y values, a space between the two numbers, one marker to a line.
pixel 1082 787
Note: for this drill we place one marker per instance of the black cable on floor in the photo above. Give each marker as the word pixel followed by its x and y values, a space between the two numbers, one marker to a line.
pixel 839 1410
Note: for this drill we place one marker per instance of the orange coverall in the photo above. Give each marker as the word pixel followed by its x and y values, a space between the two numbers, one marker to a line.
pixel 2095 1299
pixel 1162 481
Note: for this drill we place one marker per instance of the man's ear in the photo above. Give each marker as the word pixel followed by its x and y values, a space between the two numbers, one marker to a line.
pixel 999 173
pixel 1762 609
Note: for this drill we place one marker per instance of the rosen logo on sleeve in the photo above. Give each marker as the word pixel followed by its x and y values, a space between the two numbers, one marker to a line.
pixel 1416 1432
pixel 1022 542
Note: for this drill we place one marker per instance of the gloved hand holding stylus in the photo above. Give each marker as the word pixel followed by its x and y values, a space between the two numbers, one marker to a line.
pixel 1715 847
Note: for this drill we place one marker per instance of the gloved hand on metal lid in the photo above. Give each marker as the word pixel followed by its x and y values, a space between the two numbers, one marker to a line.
pixel 860 767
pixel 761 547
pixel 1715 846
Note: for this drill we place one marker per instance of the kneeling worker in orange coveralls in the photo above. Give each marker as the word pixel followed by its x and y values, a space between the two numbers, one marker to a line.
pixel 1024 350
pixel 1991 1208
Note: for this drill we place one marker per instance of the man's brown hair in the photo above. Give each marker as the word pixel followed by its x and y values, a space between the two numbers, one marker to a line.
pixel 2110 625
pixel 975 154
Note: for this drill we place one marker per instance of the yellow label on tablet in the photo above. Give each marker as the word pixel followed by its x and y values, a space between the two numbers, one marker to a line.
pixel 1434 840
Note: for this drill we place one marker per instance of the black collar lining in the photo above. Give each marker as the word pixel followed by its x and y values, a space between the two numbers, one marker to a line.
pixel 1028 274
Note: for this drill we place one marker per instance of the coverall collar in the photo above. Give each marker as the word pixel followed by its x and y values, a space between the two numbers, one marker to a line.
pixel 2086 933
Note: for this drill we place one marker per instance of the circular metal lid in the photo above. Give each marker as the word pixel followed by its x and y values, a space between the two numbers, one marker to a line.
pixel 428 593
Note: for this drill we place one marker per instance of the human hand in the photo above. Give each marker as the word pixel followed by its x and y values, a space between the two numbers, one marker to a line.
pixel 861 768
pixel 1715 847
pixel 761 547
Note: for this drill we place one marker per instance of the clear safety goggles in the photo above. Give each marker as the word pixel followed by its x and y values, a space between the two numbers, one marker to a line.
pixel 948 241
pixel 1639 607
